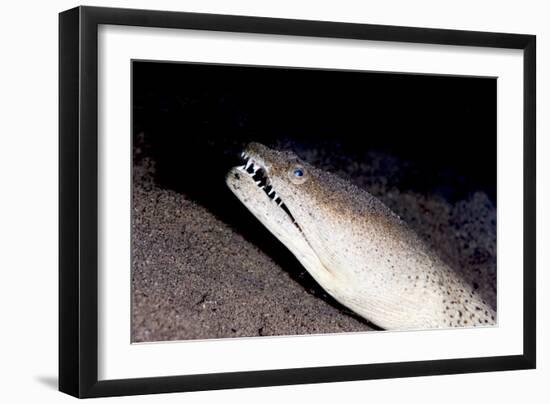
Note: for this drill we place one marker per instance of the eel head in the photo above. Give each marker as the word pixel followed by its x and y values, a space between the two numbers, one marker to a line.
pixel 280 190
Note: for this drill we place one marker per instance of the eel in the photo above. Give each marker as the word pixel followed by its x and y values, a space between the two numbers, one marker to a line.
pixel 357 249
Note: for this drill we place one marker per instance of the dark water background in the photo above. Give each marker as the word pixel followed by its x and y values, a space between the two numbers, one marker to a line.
pixel 195 118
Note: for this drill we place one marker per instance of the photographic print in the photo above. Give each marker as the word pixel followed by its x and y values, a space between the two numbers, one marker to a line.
pixel 239 194
pixel 278 201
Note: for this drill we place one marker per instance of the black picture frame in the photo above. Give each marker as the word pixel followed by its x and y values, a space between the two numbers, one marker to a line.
pixel 78 205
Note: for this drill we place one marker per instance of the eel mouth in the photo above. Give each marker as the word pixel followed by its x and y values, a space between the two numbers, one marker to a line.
pixel 252 183
pixel 261 178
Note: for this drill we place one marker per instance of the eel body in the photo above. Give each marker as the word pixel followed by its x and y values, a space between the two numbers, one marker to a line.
pixel 354 246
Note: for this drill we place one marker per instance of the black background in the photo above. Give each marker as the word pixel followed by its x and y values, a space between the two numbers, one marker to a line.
pixel 196 118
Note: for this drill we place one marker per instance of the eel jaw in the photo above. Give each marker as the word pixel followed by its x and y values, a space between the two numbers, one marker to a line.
pixel 259 174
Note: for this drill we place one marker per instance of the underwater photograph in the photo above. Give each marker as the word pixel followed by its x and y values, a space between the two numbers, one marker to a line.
pixel 278 201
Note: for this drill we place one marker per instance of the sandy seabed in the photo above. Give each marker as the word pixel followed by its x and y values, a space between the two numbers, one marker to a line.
pixel 195 277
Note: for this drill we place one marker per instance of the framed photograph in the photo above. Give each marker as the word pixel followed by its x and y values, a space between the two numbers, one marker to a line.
pixel 251 201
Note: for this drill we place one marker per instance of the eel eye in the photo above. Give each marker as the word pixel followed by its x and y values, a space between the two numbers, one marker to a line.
pixel 297 174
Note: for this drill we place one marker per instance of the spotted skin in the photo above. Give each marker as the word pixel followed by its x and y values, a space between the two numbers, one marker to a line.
pixel 354 246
